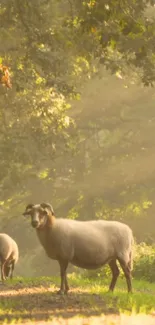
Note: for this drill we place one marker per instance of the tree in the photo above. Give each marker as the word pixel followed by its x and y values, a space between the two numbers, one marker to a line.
pixel 51 150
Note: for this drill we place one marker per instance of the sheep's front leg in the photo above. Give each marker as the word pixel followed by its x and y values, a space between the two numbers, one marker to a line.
pixel 64 284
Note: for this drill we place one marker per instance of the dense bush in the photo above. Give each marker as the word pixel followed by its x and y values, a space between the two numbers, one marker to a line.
pixel 144 262
pixel 143 265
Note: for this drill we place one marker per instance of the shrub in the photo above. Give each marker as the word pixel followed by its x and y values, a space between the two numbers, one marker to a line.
pixel 144 262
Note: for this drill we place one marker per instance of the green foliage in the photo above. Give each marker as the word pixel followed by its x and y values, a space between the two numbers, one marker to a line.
pixel 93 159
pixel 144 263
pixel 51 52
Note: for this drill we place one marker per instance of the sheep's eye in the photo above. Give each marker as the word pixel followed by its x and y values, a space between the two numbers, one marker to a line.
pixel 29 212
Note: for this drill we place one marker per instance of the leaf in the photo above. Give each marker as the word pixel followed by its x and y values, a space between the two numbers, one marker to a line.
pixel 5 76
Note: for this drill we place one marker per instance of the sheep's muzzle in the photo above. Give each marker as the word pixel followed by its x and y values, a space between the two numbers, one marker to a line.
pixel 35 223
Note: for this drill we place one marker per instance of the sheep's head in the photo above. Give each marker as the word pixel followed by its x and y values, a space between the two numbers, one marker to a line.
pixel 39 213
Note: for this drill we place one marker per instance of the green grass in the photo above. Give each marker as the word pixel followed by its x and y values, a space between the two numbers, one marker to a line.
pixel 35 298
pixel 141 300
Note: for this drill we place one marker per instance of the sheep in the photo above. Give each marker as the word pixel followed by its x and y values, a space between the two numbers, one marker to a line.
pixel 85 244
pixel 9 255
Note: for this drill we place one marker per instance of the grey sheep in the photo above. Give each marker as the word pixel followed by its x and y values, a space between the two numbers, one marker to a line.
pixel 9 255
pixel 86 244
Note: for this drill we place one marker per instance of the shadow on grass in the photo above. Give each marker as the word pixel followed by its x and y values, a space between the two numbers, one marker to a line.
pixel 37 300
pixel 40 303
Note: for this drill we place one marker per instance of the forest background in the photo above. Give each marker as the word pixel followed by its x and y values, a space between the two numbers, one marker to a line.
pixel 77 126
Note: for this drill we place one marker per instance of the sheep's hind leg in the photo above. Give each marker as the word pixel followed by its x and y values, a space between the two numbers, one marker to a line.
pixel 12 269
pixel 127 272
pixel 3 270
pixel 115 273
pixel 64 284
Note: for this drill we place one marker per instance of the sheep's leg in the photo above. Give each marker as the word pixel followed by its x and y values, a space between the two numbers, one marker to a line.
pixel 115 273
pixel 12 269
pixel 64 284
pixel 127 272
pixel 3 271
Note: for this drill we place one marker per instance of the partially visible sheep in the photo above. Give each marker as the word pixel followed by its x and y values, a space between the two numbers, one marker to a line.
pixel 9 255
pixel 86 244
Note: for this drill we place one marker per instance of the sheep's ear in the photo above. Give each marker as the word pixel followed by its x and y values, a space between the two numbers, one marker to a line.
pixel 47 206
pixel 28 209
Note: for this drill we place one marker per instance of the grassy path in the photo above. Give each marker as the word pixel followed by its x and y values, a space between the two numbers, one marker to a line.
pixel 35 301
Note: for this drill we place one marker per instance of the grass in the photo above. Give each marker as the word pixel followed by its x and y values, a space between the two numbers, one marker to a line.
pixel 142 299
pixel 34 299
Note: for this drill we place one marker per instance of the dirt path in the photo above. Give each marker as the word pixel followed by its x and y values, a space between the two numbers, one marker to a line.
pixel 40 304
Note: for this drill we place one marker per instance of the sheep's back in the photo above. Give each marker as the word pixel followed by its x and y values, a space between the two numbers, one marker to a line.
pixel 8 247
pixel 97 230
pixel 5 246
pixel 114 231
